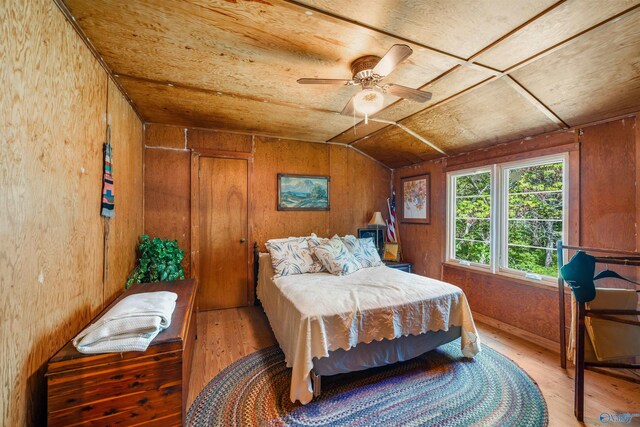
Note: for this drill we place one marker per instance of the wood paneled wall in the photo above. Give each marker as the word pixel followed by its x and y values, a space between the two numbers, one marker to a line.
pixel 359 186
pixel 605 207
pixel 127 225
pixel 422 243
pixel 608 193
pixel 53 109
pixel 167 197
pixel 274 156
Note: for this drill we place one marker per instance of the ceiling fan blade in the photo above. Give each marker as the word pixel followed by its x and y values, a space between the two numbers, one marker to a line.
pixel 349 109
pixel 325 81
pixel 394 56
pixel 408 93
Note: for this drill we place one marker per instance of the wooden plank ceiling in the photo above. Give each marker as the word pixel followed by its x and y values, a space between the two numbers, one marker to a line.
pixel 498 69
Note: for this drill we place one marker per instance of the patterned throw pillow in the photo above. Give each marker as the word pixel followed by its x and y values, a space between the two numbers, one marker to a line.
pixel 336 258
pixel 291 256
pixel 314 241
pixel 364 250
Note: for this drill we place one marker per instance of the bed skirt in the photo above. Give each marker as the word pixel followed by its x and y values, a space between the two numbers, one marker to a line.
pixel 381 353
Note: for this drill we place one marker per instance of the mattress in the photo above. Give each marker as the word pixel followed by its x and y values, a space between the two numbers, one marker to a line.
pixel 314 314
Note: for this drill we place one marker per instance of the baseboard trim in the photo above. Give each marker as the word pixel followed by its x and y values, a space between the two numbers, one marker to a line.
pixel 520 333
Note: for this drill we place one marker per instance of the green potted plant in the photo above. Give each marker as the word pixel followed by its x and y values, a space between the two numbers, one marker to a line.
pixel 158 260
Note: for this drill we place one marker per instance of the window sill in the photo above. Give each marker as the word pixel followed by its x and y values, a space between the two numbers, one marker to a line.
pixel 547 285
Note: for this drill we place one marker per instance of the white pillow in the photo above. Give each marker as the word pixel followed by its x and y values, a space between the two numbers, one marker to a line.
pixel 291 256
pixel 314 241
pixel 336 258
pixel 364 250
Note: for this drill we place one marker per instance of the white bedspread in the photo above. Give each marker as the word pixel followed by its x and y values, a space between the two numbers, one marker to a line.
pixel 312 314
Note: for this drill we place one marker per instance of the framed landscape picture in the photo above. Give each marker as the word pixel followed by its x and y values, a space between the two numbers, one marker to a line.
pixel 303 192
pixel 416 195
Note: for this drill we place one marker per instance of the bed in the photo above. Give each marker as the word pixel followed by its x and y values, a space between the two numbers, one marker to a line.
pixel 328 325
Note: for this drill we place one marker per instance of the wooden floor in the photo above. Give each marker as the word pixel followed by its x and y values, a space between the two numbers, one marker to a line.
pixel 226 335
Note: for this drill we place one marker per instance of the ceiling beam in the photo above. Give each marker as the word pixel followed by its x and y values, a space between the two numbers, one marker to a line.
pixel 535 101
pixel 410 132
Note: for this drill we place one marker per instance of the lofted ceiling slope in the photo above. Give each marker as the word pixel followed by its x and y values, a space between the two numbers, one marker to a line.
pixel 498 69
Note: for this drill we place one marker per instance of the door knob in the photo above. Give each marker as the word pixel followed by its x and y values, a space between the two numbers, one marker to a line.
pixel 243 240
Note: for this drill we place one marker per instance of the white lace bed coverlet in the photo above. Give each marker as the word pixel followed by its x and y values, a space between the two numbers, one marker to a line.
pixel 312 314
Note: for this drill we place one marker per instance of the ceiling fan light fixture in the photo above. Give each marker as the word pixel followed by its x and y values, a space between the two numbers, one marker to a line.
pixel 368 101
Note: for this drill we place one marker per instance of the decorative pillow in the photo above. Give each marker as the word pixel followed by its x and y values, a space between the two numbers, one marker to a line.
pixel 336 258
pixel 364 250
pixel 291 256
pixel 314 241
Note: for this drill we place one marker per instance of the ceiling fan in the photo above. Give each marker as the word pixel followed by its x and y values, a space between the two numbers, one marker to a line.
pixel 368 71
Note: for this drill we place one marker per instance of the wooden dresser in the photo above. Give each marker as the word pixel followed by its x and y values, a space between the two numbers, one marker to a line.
pixel 131 388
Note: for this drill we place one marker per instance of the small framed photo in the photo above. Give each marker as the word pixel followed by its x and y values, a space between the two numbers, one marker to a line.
pixel 416 199
pixel 303 192
pixel 391 252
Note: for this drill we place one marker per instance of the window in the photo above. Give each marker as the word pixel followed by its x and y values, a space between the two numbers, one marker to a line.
pixel 471 239
pixel 508 217
pixel 533 206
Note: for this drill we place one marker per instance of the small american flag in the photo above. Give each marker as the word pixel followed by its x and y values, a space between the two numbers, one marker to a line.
pixel 391 222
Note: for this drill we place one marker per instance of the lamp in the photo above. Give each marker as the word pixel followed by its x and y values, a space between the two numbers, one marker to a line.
pixel 376 219
pixel 368 101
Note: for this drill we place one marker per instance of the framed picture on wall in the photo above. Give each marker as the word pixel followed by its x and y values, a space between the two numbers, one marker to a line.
pixel 376 235
pixel 303 192
pixel 416 199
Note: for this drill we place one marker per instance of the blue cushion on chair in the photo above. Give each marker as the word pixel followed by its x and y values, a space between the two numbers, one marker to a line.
pixel 578 273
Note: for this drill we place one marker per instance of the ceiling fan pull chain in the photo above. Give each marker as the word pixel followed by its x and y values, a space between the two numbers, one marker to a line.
pixel 354 121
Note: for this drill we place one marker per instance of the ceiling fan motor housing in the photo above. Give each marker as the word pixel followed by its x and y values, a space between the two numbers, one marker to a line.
pixel 362 68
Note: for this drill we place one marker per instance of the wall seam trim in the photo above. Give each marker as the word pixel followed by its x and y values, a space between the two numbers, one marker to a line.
pixel 151 147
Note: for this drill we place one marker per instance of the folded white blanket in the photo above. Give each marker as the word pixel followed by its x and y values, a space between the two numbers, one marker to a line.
pixel 130 325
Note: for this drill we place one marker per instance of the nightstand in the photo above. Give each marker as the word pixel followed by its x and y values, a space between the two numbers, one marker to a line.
pixel 404 266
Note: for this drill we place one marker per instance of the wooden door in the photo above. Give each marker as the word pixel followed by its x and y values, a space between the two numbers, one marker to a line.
pixel 223 263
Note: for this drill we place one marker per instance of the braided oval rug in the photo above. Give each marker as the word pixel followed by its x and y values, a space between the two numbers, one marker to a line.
pixel 439 388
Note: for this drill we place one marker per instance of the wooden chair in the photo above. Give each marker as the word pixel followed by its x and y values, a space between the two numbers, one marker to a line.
pixel 626 258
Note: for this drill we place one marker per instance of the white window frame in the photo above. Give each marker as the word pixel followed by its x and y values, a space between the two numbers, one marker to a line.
pixel 451 215
pixel 504 169
pixel 499 213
